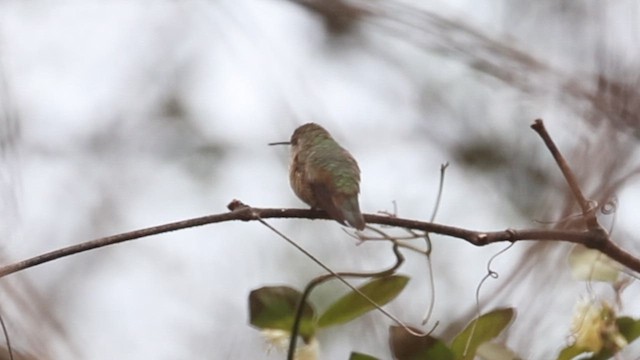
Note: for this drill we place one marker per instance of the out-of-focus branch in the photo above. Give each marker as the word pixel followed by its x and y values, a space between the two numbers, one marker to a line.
pixel 339 16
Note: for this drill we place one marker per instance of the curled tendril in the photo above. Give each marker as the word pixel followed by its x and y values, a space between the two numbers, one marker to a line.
pixel 490 274
pixel 610 206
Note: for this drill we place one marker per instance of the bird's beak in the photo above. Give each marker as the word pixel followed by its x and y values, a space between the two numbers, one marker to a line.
pixel 280 143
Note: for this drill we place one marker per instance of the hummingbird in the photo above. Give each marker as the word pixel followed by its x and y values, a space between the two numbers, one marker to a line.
pixel 325 175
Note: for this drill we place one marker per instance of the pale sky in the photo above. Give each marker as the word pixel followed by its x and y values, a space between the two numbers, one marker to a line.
pixel 129 114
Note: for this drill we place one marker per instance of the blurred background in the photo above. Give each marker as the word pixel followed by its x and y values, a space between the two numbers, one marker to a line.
pixel 120 115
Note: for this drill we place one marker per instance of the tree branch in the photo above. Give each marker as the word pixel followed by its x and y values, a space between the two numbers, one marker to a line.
pixel 241 212
pixel 588 211
pixel 594 236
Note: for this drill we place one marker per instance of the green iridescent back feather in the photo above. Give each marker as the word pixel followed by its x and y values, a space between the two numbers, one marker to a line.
pixel 338 162
pixel 327 156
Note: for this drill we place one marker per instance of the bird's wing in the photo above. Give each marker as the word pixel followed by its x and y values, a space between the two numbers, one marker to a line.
pixel 324 197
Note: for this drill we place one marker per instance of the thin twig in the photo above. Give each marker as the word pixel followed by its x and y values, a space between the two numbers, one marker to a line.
pixel 436 206
pixel 295 330
pixel 588 211
pixel 340 276
pixel 431 282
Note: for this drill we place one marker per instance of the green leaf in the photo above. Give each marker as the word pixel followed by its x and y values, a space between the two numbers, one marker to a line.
pixel 274 307
pixel 487 327
pixel 406 346
pixel 352 305
pixel 629 328
pixel 494 351
pixel 360 356
pixel 570 352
